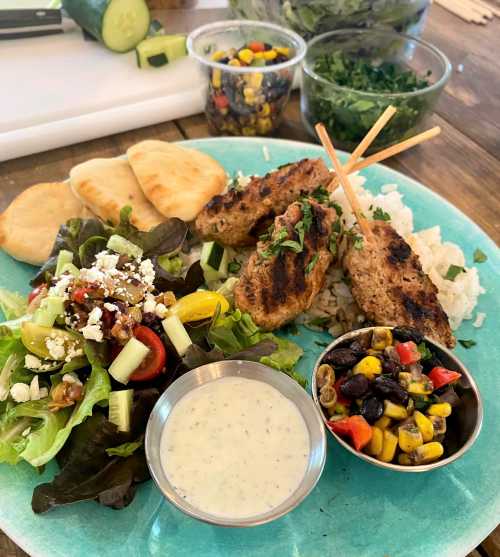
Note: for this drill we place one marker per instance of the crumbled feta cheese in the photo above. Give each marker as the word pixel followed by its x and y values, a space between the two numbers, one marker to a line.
pixel 32 362
pixel 71 378
pixel 92 275
pixel 34 389
pixel 20 392
pixel 111 307
pixel 73 352
pixel 95 316
pixel 106 261
pixel 161 310
pixel 149 305
pixel 480 317
pixel 92 332
pixel 55 346
pixel 61 287
pixel 147 271
pixel 26 432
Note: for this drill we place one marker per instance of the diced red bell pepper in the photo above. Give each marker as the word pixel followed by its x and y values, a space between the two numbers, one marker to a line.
pixel 79 295
pixel 221 101
pixel 257 46
pixel 441 376
pixel 408 352
pixel 355 427
pixel 341 399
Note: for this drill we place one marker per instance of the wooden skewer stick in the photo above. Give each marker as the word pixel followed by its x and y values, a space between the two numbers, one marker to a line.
pixel 344 180
pixel 467 15
pixel 493 9
pixel 390 152
pixel 476 8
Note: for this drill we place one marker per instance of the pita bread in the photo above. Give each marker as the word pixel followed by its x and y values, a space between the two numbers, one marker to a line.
pixel 179 182
pixel 106 186
pixel 28 227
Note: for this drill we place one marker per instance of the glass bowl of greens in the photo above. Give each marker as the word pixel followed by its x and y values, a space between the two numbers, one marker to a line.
pixel 313 17
pixel 349 77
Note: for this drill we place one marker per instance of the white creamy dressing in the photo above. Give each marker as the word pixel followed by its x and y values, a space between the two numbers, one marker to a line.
pixel 235 447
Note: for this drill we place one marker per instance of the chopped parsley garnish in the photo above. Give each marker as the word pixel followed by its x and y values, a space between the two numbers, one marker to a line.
pixel 480 256
pixel 358 242
pixel 322 344
pixel 310 266
pixel 425 353
pixel 321 195
pixel 380 214
pixel 338 209
pixel 467 343
pixel 234 266
pixel 453 272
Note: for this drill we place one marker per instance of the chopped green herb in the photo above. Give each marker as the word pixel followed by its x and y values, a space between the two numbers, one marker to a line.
pixel 310 266
pixel 370 207
pixel 337 227
pixel 467 343
pixel 322 344
pixel 425 353
pixel 290 328
pixel 380 214
pixel 479 256
pixel 234 266
pixel 307 216
pixel 332 245
pixel 338 209
pixel 453 271
pixel 358 242
pixel 318 321
pixel 321 195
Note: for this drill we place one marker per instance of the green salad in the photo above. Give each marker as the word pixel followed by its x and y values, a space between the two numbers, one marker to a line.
pixel 115 315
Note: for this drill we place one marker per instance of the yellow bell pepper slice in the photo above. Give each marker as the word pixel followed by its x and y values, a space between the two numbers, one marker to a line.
pixel 198 305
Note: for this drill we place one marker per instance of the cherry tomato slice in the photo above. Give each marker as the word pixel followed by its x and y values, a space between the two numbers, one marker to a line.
pixel 408 352
pixel 221 101
pixel 256 46
pixel 79 294
pixel 35 292
pixel 154 362
pixel 440 376
pixel 341 399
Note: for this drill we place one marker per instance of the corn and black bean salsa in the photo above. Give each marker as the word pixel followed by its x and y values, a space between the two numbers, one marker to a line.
pixel 248 103
pixel 389 395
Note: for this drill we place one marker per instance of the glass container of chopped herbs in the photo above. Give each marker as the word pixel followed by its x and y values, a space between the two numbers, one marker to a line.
pixel 351 76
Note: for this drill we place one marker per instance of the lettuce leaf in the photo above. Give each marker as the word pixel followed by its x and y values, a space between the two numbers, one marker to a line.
pixel 12 304
pixel 125 449
pixel 97 389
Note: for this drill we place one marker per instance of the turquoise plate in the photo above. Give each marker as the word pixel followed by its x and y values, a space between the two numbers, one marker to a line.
pixel 356 509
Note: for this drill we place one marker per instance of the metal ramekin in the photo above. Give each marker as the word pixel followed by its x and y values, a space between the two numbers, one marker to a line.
pixel 249 370
pixel 468 416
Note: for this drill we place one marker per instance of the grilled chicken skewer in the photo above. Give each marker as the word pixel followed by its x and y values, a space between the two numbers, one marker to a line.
pixel 237 218
pixel 282 277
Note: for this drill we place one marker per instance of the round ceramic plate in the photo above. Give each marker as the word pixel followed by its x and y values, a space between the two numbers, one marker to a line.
pixel 356 509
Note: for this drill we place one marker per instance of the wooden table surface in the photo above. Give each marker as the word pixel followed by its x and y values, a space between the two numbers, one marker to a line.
pixel 462 164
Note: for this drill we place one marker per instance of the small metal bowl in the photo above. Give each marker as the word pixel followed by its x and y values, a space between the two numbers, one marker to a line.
pixel 250 370
pixel 464 424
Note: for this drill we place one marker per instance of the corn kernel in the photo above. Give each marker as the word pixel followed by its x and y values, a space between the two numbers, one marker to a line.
pixel 247 130
pixel 264 125
pixel 218 55
pixel 248 92
pixel 439 425
pixel 234 62
pixel 442 409
pixel 404 379
pixel 216 78
pixel 375 445
pixel 255 79
pixel 425 426
pixel 381 338
pixel 285 50
pixel 423 387
pixel 427 453
pixel 404 459
pixel 246 55
pixel 270 54
pixel 395 411
pixel 369 366
pixel 389 447
pixel 264 110
pixel 383 423
pixel 409 438
pixel 258 55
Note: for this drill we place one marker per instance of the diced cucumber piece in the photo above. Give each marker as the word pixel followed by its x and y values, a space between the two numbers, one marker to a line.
pixel 63 257
pixel 71 269
pixel 128 360
pixel 177 334
pixel 53 304
pixel 119 24
pixel 214 260
pixel 44 318
pixel 124 247
pixel 120 408
pixel 172 265
pixel 160 50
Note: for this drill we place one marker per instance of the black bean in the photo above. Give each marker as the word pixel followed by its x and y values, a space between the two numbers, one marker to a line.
pixel 340 357
pixel 391 367
pixel 431 363
pixel 356 386
pixel 404 334
pixel 358 348
pixel 372 409
pixel 388 388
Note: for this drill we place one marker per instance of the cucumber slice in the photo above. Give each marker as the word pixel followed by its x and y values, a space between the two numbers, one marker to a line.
pixel 177 334
pixel 124 247
pixel 214 260
pixel 53 304
pixel 119 24
pixel 120 408
pixel 128 360
pixel 43 318
pixel 71 269
pixel 63 257
pixel 160 50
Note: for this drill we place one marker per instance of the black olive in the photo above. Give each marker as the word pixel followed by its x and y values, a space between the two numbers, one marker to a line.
pixel 356 386
pixel 372 409
pixel 340 357
pixel 431 363
pixel 404 334
pixel 388 388
pixel 358 349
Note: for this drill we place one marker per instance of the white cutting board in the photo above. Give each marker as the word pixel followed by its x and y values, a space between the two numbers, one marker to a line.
pixel 61 89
